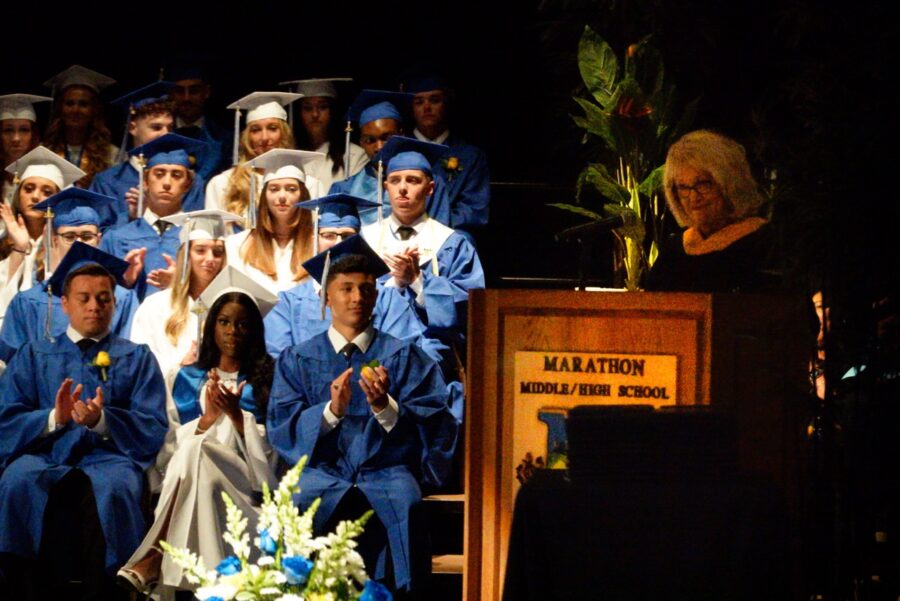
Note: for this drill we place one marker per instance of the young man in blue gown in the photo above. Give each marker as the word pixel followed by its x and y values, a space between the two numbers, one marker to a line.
pixel 81 418
pixel 374 439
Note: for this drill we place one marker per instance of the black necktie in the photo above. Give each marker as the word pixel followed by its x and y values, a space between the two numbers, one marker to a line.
pixel 161 226
pixel 348 350
pixel 86 344
pixel 405 232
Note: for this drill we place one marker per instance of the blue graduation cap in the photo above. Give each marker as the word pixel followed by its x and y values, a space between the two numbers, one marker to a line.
pixel 371 105
pixel 401 153
pixel 75 206
pixel 424 82
pixel 158 91
pixel 79 255
pixel 335 210
pixel 378 104
pixel 170 149
pixel 319 265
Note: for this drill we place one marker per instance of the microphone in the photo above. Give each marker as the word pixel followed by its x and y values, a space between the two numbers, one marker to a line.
pixel 626 219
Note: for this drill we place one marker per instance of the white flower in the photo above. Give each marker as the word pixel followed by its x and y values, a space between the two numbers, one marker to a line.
pixel 224 591
pixel 289 597
pixel 265 560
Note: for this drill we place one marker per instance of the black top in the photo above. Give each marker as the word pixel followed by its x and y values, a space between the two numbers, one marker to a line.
pixel 746 265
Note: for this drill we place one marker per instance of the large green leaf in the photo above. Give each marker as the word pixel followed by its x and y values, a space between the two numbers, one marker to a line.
pixel 598 65
pixel 652 182
pixel 595 121
pixel 598 177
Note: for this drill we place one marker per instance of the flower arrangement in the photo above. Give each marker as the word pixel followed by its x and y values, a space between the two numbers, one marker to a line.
pixel 293 564
pixel 102 361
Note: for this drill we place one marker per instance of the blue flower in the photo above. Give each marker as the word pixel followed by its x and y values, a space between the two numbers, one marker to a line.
pixel 296 568
pixel 214 599
pixel 375 591
pixel 266 543
pixel 228 566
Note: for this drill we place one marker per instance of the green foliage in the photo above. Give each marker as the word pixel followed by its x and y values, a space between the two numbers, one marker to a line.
pixel 634 110
pixel 599 66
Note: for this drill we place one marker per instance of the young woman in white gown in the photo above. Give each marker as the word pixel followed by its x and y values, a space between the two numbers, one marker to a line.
pixel 273 252
pixel 216 442
pixel 167 321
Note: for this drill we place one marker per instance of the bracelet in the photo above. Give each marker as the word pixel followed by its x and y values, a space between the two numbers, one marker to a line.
pixel 24 252
pixel 200 430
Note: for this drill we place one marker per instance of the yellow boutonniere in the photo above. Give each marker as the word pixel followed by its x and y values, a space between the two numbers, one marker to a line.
pixel 451 166
pixel 102 361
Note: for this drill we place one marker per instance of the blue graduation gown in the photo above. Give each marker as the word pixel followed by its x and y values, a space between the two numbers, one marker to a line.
pixel 445 313
pixel 461 198
pixel 297 317
pixel 387 467
pixel 118 240
pixel 118 179
pixel 216 156
pixel 26 318
pixel 363 184
pixel 134 410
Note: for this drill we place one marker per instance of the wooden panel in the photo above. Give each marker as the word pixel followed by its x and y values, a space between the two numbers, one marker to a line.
pixel 446 564
pixel 502 323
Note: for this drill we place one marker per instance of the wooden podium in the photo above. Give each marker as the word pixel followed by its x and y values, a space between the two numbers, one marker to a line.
pixel 534 354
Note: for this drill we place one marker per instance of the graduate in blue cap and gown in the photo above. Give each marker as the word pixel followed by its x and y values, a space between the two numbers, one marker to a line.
pixel 379 115
pixel 35 313
pixel 301 314
pixel 373 437
pixel 462 199
pixel 149 116
pixel 167 178
pixel 432 265
pixel 84 414
pixel 38 174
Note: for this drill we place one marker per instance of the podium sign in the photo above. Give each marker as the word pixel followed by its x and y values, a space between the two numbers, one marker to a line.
pixel 533 355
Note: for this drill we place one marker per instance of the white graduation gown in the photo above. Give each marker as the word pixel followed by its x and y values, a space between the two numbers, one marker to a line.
pixel 197 468
pixel 149 327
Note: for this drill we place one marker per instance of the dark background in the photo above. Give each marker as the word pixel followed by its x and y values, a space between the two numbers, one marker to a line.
pixel 807 89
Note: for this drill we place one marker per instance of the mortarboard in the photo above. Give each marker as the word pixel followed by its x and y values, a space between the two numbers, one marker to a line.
pixel 278 163
pixel 41 162
pixel 319 265
pixel 401 152
pixel 76 75
pixel 200 225
pixel 169 149
pixel 260 105
pixel 231 279
pixel 20 106
pixel 158 91
pixel 75 206
pixel 79 255
pixel 335 210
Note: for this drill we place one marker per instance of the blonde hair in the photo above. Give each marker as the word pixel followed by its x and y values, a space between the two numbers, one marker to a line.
pixel 258 249
pixel 40 258
pixel 237 193
pixel 726 162
pixel 180 294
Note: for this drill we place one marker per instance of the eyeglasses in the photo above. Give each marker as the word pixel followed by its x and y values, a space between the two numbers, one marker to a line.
pixel 701 187
pixel 86 237
pixel 333 236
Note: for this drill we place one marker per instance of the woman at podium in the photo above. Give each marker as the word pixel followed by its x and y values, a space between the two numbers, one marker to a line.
pixel 728 244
